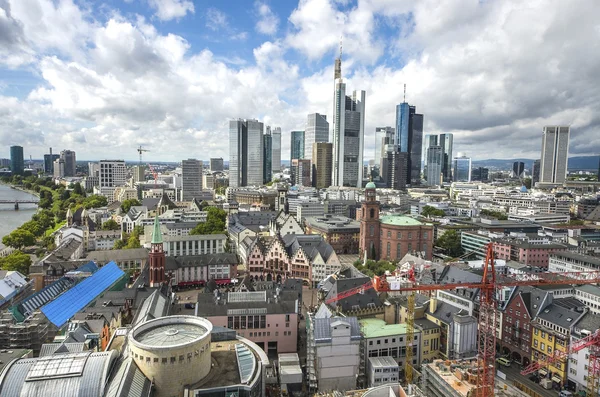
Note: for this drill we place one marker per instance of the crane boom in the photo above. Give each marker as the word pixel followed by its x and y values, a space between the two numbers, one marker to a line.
pixel 593 339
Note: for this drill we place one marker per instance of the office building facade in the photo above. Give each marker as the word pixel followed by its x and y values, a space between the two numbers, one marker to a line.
pixel 297 145
pixel 267 155
pixel 49 162
pixel 518 169
pixel 216 164
pixel 17 163
pixel 322 164
pixel 348 136
pixel 68 156
pixel 446 141
pixel 434 165
pixel 58 168
pixel 113 173
pixel 383 136
pixel 555 153
pixel 409 138
pixel 317 130
pixel 191 179
pixel 302 172
pixel 276 149
pixel 535 172
pixel 462 168
pixel 394 168
pixel 245 153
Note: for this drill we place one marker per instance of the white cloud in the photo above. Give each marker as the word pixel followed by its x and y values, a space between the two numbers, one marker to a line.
pixel 491 72
pixel 267 22
pixel 216 19
pixel 167 10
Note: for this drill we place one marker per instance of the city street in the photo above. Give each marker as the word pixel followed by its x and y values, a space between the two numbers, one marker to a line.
pixel 513 373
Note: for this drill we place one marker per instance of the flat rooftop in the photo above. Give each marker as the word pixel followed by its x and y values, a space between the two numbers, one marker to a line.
pixel 442 369
pixel 224 371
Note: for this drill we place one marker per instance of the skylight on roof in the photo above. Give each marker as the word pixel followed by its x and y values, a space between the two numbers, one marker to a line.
pixel 52 367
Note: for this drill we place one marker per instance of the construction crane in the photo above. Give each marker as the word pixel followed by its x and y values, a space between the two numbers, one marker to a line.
pixel 154 174
pixel 141 150
pixel 487 305
pixel 592 342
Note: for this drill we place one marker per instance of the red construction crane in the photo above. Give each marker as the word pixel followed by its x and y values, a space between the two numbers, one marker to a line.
pixel 153 173
pixel 487 306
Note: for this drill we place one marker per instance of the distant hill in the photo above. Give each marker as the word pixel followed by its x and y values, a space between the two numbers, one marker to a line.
pixel 575 163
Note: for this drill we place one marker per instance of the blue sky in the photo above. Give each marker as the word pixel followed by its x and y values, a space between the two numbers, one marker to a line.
pixel 102 77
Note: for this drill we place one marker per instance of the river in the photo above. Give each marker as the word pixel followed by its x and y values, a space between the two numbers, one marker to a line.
pixel 9 218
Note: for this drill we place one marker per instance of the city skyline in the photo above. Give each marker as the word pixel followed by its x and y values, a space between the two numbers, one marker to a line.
pixel 102 82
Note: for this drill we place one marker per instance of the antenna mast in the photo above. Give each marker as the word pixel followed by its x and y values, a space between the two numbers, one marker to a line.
pixel 404 93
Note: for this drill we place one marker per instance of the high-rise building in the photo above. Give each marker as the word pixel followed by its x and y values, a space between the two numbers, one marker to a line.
pixel 17 163
pixel 446 141
pixel 267 156
pixel 428 141
pixel 49 162
pixel 383 136
pixel 409 138
pixel 322 153
pixel 297 145
pixel 245 153
pixel 191 179
pixel 58 168
pixel 4 163
pixel 113 173
pixel 68 156
pixel 518 169
pixel 216 164
pixel 434 165
pixel 535 172
pixel 348 137
pixel 317 130
pixel 394 167
pixel 555 153
pixel 276 151
pixel 302 172
pixel 480 174
pixel 462 168
pixel 139 173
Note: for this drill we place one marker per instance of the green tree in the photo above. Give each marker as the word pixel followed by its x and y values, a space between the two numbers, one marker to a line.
pixel 450 242
pixel 127 204
pixel 494 214
pixel 119 245
pixel 432 211
pixel 110 225
pixel 94 201
pixel 77 189
pixel 33 227
pixel 215 222
pixel 16 261
pixel 134 239
pixel 18 239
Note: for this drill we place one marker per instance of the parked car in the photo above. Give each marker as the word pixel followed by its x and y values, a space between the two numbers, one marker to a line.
pixel 503 361
pixel 534 378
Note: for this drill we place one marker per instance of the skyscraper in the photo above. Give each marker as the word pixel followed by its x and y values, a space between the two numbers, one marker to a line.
pixel 191 179
pixel 518 168
pixel 317 130
pixel 17 164
pixel 348 136
pixel 462 168
pixel 49 162
pixel 428 141
pixel 446 141
pixel 276 152
pixel 267 156
pixel 383 136
pixel 535 172
pixel 434 165
pixel 555 153
pixel 297 145
pixel 322 153
pixel 245 153
pixel 59 168
pixel 301 171
pixel 409 138
pixel 216 164
pixel 68 156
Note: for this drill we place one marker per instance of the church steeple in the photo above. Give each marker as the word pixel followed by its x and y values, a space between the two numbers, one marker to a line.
pixel 157 257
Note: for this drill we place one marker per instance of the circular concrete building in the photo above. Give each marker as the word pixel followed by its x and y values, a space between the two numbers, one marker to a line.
pixel 173 351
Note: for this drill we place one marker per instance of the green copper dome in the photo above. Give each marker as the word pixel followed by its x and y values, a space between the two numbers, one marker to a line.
pixel 370 185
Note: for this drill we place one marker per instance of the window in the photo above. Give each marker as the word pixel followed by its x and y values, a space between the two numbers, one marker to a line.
pixel 410 235
pixel 372 212
pixel 389 234
pixel 399 235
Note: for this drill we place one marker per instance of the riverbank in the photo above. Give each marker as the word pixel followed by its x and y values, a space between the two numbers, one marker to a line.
pixel 21 189
pixel 11 219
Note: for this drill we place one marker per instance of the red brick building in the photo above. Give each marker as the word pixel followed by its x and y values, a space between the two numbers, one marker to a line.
pixel 525 252
pixel 392 236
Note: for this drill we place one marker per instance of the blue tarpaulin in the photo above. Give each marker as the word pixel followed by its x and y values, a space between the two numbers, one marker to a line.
pixel 61 309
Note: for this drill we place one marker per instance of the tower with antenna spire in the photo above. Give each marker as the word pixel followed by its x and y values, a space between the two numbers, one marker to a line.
pixel 157 257
pixel 348 132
